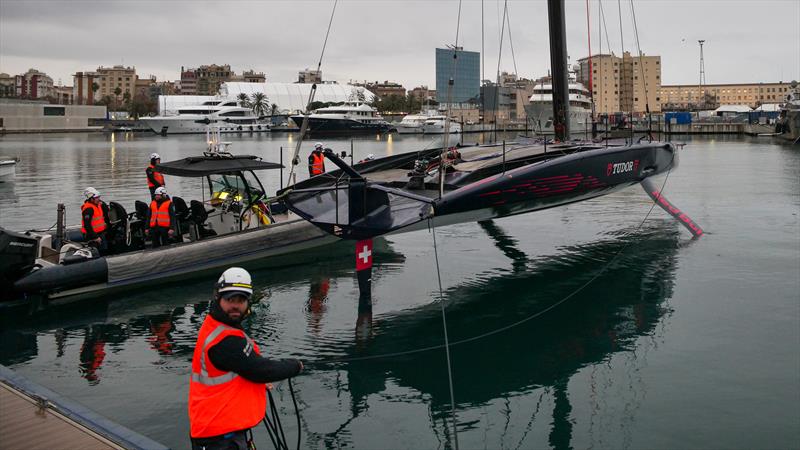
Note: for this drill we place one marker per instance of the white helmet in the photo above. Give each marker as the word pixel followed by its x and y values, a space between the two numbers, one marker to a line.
pixel 91 193
pixel 235 280
pixel 154 156
pixel 160 191
pixel 318 145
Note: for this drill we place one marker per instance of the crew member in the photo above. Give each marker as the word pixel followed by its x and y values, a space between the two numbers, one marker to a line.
pixel 227 389
pixel 316 161
pixel 94 220
pixel 160 218
pixel 154 179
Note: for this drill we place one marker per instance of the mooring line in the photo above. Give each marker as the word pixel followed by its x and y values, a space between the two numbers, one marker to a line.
pixel 446 339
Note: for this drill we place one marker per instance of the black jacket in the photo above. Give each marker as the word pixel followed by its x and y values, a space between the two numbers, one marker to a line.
pixel 235 354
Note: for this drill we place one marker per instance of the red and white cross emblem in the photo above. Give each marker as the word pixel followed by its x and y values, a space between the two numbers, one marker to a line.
pixel 363 254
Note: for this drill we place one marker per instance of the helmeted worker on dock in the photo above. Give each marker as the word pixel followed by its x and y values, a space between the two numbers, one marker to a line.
pixel 316 161
pixel 94 220
pixel 161 220
pixel 227 389
pixel 155 179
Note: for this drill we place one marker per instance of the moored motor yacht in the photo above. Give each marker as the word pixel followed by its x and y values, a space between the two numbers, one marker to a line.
pixel 346 119
pixel 436 125
pixel 411 124
pixel 225 114
pixel 540 108
pixel 7 168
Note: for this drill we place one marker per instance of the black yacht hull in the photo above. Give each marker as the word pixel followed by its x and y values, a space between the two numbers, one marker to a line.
pixel 333 127
pixel 366 209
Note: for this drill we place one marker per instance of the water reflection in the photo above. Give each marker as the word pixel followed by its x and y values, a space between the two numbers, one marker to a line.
pixel 624 303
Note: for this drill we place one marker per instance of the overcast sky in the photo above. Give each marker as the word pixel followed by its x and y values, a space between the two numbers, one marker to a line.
pixel 746 41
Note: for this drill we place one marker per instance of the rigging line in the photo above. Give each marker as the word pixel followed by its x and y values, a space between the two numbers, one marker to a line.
pixel 446 339
pixel 497 83
pixel 304 126
pixel 513 324
pixel 511 41
pixel 450 83
pixel 641 72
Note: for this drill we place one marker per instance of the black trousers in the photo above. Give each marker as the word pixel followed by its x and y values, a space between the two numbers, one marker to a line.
pixel 159 236
pixel 238 440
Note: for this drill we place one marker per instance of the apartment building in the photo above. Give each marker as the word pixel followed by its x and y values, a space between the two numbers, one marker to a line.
pixel 710 96
pixel 116 77
pixel 626 84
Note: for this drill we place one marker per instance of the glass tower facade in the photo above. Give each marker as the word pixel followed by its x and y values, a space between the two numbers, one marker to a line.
pixel 466 77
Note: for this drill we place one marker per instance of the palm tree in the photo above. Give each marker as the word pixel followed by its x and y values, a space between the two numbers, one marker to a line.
pixel 244 100
pixel 273 109
pixel 258 103
pixel 95 88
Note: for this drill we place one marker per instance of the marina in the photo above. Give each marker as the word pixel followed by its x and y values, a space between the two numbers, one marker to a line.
pixel 672 332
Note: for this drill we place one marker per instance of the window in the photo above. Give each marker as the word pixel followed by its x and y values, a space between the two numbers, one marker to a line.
pixel 54 111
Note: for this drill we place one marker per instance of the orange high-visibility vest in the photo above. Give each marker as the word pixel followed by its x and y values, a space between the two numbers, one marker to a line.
pixel 98 221
pixel 221 402
pixel 158 177
pixel 159 214
pixel 318 166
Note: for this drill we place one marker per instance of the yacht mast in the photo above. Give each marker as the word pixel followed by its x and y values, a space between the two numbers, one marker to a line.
pixel 558 68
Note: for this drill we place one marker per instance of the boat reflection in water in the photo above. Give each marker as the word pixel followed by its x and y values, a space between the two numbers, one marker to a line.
pixel 624 303
pixel 141 346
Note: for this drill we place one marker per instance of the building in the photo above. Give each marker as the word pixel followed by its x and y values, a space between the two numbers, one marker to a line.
pixel 383 90
pixel 33 84
pixel 39 117
pixel 464 70
pixel 211 77
pixel 64 95
pixel 711 96
pixel 7 85
pixel 309 76
pixel 84 88
pixel 423 94
pixel 627 84
pixel 188 82
pixel 115 82
pixel 142 87
pixel 250 76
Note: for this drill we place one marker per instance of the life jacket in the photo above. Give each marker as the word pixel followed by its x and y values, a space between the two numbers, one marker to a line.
pixel 157 176
pixel 98 220
pixel 159 214
pixel 318 164
pixel 221 402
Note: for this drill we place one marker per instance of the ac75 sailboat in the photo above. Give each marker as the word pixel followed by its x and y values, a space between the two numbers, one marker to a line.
pixel 453 185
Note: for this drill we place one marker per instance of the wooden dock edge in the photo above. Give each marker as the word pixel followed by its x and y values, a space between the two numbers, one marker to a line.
pixel 47 404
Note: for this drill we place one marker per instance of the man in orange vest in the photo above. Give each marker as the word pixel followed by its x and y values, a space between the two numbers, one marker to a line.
pixel 94 220
pixel 160 218
pixel 316 161
pixel 227 388
pixel 154 179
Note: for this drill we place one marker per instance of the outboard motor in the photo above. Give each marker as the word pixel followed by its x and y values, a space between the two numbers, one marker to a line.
pixel 17 258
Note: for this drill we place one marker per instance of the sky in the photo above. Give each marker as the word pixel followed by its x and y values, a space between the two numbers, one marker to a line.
pixel 376 40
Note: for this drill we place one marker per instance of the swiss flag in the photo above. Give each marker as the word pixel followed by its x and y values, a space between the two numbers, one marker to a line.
pixel 363 254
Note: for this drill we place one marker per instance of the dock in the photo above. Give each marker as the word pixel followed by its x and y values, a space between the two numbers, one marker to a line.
pixel 34 417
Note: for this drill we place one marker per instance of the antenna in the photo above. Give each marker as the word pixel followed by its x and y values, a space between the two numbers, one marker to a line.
pixel 702 64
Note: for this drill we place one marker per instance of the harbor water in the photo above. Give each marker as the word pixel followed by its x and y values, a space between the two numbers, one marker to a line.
pixel 601 324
